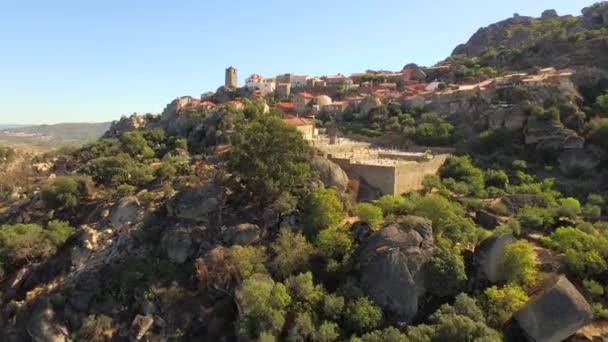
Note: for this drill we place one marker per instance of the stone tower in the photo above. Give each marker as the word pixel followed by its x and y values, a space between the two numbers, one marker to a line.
pixel 231 78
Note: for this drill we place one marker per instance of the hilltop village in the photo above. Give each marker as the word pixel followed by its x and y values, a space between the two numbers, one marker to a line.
pixel 306 102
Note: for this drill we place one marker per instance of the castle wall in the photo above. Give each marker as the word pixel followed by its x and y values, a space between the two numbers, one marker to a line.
pixel 379 176
pixel 410 176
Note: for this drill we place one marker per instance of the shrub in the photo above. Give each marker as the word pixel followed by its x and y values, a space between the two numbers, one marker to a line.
pixel 363 315
pixel 334 243
pixel 390 204
pixel 26 242
pixel 248 260
pixel 497 179
pixel 322 209
pixel 461 169
pixel 593 289
pixel 535 217
pixel 595 199
pixel 500 303
pixel 520 264
pixel 369 214
pixel 333 306
pixel 445 273
pixel 568 207
pixel 292 253
pixel 136 145
pixel 585 253
pixel 264 308
pixel 65 192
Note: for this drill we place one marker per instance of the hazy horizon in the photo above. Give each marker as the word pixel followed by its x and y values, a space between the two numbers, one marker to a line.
pixel 69 61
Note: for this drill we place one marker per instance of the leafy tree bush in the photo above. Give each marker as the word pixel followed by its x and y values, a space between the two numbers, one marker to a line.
pixel 327 332
pixel 272 162
pixel 449 219
pixel 500 303
pixel 445 274
pixel 333 306
pixel 497 179
pixel 598 132
pixel 433 130
pixel 136 145
pixel 304 293
pixel 519 264
pixel 389 334
pixel 249 260
pixel 264 309
pixel 65 192
pixel 27 242
pixel 461 169
pixel 568 207
pixel 363 315
pixel 595 199
pixel 292 253
pixel 119 169
pixel 390 204
pixel 593 289
pixel 369 214
pixel 585 253
pixel 334 243
pixel 322 209
pixel 535 217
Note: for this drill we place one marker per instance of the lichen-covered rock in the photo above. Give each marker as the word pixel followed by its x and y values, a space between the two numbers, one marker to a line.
pixel 390 263
pixel 331 174
pixel 574 162
pixel 489 258
pixel 555 313
pixel 178 245
pixel 242 234
pixel 43 325
pixel 125 212
pixel 200 204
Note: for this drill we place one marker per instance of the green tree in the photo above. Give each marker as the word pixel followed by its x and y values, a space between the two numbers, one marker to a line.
pixel 369 214
pixel 390 204
pixel 461 169
pixel 568 207
pixel 586 253
pixel 445 273
pixel 333 306
pixel 304 293
pixel 363 315
pixel 292 253
pixel 28 242
pixel 322 209
pixel 135 144
pixel 263 306
pixel 497 179
pixel 334 243
pixel 520 264
pixel 249 260
pixel 389 334
pixel 271 160
pixel 327 332
pixel 535 217
pixel 501 303
pixel 65 192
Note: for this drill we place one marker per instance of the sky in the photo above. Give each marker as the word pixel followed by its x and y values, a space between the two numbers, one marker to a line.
pixel 95 60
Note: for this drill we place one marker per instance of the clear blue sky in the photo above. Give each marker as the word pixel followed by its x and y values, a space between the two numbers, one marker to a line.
pixel 95 60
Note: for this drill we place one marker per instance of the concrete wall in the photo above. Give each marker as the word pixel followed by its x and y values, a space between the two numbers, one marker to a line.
pixel 395 179
pixel 410 176
pixel 380 177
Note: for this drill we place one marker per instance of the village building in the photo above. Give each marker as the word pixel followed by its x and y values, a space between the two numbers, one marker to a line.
pixel 206 105
pixel 301 101
pixel 299 81
pixel 287 107
pixel 304 126
pixel 283 91
pixel 265 85
pixel 338 80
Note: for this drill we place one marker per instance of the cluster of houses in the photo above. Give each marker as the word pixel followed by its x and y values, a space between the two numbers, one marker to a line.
pixel 302 97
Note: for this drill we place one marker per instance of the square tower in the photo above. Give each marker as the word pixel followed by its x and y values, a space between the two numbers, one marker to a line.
pixel 231 78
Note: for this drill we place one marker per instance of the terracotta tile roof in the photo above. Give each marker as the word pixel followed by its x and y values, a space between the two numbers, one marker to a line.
pixel 307 95
pixel 286 105
pixel 206 104
pixel 296 121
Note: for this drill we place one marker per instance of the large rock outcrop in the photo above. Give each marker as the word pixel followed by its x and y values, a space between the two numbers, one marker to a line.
pixel 131 123
pixel 390 263
pixel 331 174
pixel 43 326
pixel 547 134
pixel 242 234
pixel 555 313
pixel 489 258
pixel 200 204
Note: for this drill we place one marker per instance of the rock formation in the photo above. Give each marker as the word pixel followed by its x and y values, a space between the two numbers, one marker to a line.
pixel 330 173
pixel 390 262
pixel 555 313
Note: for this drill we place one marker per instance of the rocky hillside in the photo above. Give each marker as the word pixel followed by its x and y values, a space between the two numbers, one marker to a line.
pixel 226 225
pixel 560 41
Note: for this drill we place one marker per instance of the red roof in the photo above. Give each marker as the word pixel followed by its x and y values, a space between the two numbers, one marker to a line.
pixel 296 121
pixel 206 104
pixel 286 105
pixel 307 95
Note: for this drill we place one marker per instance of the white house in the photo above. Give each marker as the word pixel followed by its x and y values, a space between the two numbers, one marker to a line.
pixel 432 87
pixel 298 81
pixel 266 85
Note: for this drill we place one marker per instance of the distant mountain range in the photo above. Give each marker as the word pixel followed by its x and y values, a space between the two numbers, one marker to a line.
pixel 47 137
